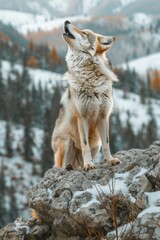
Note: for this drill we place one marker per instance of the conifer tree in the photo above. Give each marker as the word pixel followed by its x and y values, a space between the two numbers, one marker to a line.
pixel 28 132
pixel 8 140
pixel 3 210
pixel 13 205
pixel 47 153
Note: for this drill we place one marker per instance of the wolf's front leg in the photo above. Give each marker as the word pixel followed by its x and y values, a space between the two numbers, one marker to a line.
pixel 83 131
pixel 69 154
pixel 104 133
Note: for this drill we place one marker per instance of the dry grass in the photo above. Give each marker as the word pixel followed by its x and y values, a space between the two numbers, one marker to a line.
pixel 120 210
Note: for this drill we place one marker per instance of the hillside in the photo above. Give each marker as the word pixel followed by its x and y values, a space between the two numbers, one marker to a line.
pixel 19 173
pixel 42 22
pixel 15 36
pixel 142 65
pixel 38 76
pixel 58 8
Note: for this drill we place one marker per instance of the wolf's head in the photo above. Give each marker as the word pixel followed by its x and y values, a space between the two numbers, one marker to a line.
pixel 85 40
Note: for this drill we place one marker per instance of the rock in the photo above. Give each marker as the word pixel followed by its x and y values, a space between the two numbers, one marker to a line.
pixel 142 184
pixel 154 175
pixel 131 175
pixel 141 200
pixel 23 230
pixel 78 205
pixel 148 222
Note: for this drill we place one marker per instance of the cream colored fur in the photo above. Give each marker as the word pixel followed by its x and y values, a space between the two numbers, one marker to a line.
pixel 83 123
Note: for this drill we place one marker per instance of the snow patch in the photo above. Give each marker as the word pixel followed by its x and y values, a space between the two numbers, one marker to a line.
pixel 139 116
pixel 118 184
pixel 153 197
pixel 127 2
pixel 58 5
pixel 27 22
pixel 142 19
pixel 38 76
pixel 142 65
pixel 142 172
pixel 88 5
pixel 19 226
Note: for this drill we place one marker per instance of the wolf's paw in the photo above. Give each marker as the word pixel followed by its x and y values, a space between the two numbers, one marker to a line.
pixel 113 162
pixel 88 166
pixel 69 167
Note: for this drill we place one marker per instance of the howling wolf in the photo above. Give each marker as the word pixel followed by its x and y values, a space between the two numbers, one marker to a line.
pixel 83 122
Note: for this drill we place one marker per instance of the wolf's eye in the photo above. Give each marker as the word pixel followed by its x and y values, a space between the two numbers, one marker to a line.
pixel 84 33
pixel 105 43
pixel 108 42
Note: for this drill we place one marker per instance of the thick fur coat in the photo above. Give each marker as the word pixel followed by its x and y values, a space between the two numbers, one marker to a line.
pixel 83 123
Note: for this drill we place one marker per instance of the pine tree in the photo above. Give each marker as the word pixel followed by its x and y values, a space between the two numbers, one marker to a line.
pixel 28 132
pixel 151 129
pixel 13 205
pixel 8 140
pixel 47 154
pixel 55 106
pixel 3 209
pixel 25 81
pixel 2 97
pixel 50 116
pixel 115 132
pixel 143 93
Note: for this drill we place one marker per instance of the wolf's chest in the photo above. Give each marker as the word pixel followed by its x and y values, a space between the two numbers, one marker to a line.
pixel 94 101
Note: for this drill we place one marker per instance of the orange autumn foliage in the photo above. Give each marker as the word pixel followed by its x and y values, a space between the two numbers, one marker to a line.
pixel 155 81
pixel 32 62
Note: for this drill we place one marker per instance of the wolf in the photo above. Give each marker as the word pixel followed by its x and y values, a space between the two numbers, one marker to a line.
pixel 83 122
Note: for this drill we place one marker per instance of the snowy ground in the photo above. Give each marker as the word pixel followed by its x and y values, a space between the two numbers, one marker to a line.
pixel 118 184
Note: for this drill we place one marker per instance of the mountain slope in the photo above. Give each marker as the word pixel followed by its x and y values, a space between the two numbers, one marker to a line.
pixel 122 105
pixel 8 30
pixel 59 8
pixel 142 65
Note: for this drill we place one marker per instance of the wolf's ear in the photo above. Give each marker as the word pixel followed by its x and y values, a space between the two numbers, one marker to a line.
pixel 105 43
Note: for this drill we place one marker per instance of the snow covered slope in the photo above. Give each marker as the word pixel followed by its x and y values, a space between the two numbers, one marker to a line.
pixel 138 116
pixel 27 22
pixel 46 78
pixel 59 8
pixel 19 173
pixel 141 65
pixel 40 14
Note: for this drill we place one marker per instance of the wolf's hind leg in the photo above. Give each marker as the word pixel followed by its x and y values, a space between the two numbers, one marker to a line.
pixel 94 151
pixel 69 154
pixel 72 156
pixel 59 155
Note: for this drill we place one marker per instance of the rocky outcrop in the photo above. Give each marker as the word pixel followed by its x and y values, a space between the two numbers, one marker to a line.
pixel 103 203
